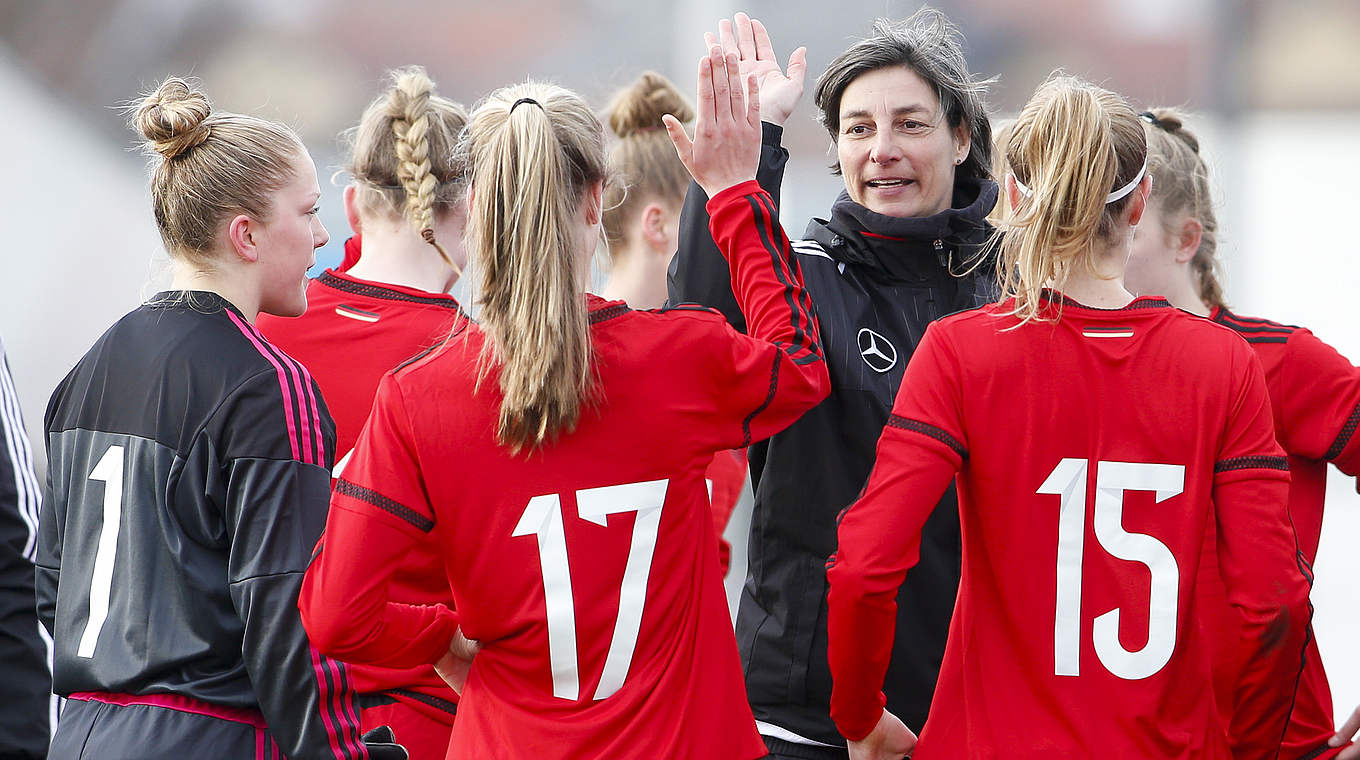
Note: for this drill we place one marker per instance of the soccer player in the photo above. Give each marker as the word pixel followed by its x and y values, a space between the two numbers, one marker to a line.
pixel 26 685
pixel 641 225
pixel 407 200
pixel 556 452
pixel 188 473
pixel 1094 436
pixel 1314 394
pixel 389 300
pixel 900 247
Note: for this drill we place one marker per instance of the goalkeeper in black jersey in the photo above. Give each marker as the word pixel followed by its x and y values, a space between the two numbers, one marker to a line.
pixel 189 476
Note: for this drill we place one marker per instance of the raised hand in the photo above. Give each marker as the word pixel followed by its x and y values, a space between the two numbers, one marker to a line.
pixel 890 740
pixel 725 150
pixel 779 89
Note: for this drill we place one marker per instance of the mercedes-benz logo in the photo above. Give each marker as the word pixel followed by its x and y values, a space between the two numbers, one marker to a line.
pixel 876 351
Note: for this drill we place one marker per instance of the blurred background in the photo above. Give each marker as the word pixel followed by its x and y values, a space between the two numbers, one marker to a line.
pixel 1275 85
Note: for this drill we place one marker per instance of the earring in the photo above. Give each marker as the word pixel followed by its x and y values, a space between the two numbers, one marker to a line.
pixel 958 160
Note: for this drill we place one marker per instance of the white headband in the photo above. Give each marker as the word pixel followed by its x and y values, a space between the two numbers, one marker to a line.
pixel 1111 198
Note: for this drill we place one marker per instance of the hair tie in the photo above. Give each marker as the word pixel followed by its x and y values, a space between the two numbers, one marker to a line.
pixel 1151 119
pixel 1111 198
pixel 525 100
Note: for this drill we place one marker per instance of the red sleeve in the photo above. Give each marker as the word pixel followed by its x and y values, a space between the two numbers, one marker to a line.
pixel 1261 566
pixel 879 536
pixel 378 514
pixel 1320 403
pixel 765 380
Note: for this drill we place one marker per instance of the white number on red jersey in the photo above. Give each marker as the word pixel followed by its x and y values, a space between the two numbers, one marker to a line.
pixel 1068 480
pixel 543 518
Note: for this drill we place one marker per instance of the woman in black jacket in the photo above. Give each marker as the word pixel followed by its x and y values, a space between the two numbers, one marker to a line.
pixel 904 245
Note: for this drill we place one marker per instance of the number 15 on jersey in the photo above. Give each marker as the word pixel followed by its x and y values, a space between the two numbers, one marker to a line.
pixel 1068 481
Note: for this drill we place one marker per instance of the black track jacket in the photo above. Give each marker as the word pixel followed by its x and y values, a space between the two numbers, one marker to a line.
pixel 188 482
pixel 874 297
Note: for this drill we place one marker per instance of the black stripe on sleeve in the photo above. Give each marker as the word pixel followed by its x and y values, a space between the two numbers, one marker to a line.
pixel 1235 321
pixel 1251 463
pixel 607 313
pixel 769 397
pixel 764 228
pixel 1258 328
pixel 426 699
pixel 926 429
pixel 369 496
pixel 1344 437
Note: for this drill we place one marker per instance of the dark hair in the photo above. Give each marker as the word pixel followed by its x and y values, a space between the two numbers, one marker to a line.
pixel 931 46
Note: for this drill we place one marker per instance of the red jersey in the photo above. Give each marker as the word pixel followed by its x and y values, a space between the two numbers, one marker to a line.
pixel 1315 395
pixel 588 568
pixel 1091 453
pixel 354 332
pixel 726 477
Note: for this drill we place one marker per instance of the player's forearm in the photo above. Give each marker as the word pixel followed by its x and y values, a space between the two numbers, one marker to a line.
pixel 344 600
pixel 1266 581
pixel 860 629
pixel 768 287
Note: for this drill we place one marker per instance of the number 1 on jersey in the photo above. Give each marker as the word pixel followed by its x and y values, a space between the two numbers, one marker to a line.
pixel 543 518
pixel 109 470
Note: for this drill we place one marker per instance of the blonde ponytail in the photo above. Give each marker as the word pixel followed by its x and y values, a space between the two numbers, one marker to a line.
pixel 402 154
pixel 534 151
pixel 1070 147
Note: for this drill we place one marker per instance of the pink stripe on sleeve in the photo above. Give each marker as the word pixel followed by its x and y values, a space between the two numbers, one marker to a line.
pixel 283 382
pixel 345 706
pixel 308 419
pixel 176 702
pixel 324 695
pixel 311 387
pixel 306 389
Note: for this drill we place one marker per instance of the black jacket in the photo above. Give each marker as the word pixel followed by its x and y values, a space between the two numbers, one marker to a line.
pixel 221 449
pixel 873 296
pixel 25 683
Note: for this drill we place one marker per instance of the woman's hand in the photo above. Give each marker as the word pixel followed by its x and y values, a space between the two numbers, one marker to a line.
pixel 456 663
pixel 779 89
pixel 890 740
pixel 725 150
pixel 1345 734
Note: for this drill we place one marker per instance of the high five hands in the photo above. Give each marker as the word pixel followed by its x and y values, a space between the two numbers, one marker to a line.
pixel 779 89
pixel 725 150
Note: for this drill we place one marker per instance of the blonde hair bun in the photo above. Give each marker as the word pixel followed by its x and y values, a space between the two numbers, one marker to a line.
pixel 640 106
pixel 172 118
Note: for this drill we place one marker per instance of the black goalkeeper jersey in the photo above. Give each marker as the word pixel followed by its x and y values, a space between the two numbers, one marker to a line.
pixel 188 480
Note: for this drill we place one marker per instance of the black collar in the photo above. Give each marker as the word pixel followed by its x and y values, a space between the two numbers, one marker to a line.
pixel 856 235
